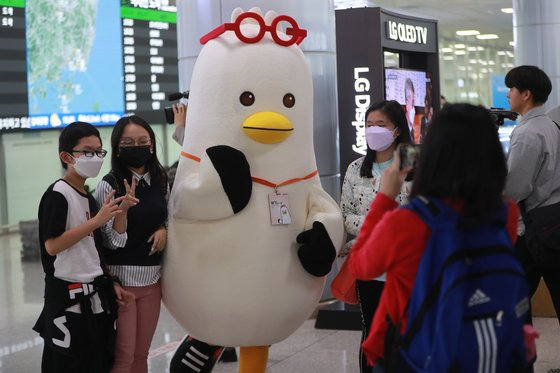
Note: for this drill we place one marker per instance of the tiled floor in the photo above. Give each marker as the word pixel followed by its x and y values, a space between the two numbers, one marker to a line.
pixel 308 350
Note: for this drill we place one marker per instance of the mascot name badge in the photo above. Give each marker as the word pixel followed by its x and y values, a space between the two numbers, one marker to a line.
pixel 279 209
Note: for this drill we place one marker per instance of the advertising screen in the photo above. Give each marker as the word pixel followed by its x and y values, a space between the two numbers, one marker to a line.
pixel 413 90
pixel 87 60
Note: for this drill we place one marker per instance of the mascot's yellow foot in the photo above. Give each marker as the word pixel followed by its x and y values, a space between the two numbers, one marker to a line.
pixel 253 359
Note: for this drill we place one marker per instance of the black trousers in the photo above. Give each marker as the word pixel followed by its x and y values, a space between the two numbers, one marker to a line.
pixel 96 359
pixel 369 293
pixel 534 273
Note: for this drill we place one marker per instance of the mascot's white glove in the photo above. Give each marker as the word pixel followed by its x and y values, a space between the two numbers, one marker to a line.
pixel 220 187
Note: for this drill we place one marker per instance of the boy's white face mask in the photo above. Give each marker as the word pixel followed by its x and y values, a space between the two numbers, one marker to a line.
pixel 88 167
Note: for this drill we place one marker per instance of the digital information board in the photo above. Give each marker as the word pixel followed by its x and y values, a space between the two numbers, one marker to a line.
pixel 87 60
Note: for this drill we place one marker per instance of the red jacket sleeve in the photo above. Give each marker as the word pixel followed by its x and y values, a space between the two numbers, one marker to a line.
pixel 387 233
pixel 380 205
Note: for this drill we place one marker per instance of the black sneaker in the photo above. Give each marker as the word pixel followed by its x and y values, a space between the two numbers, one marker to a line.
pixel 194 356
pixel 229 355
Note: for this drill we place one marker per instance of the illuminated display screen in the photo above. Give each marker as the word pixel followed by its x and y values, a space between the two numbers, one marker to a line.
pixel 413 90
pixel 87 60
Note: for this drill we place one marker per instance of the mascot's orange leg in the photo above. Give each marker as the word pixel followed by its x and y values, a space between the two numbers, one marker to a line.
pixel 253 359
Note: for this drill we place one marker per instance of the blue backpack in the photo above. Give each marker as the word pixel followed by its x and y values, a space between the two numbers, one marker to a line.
pixel 470 298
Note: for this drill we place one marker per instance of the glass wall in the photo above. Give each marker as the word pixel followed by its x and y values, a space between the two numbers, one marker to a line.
pixel 467 65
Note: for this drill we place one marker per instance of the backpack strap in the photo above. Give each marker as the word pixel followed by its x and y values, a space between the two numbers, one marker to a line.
pixel 432 211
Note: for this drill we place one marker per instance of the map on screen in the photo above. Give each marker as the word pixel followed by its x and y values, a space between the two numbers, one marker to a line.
pixel 89 60
pixel 77 38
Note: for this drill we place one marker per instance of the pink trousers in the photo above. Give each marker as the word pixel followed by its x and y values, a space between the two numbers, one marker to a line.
pixel 135 328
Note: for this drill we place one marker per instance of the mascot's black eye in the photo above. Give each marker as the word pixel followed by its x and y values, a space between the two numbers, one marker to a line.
pixel 247 98
pixel 289 100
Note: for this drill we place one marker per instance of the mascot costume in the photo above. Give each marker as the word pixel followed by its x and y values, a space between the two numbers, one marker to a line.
pixel 251 232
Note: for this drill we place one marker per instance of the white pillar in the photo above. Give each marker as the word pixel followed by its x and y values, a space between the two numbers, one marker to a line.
pixel 196 17
pixel 536 33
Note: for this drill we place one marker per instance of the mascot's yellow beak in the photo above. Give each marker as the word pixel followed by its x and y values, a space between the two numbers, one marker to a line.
pixel 268 127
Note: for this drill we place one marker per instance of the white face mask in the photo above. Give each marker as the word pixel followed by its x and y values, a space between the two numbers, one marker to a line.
pixel 379 138
pixel 88 167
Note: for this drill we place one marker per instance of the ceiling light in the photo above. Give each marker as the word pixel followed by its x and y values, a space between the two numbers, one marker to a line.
pixel 473 60
pixel 479 48
pixel 507 10
pixel 491 63
pixel 472 49
pixel 468 32
pixel 487 36
pixel 460 53
pixel 501 53
pixel 448 58
pixel 510 54
pixel 512 43
pixel 447 50
pixel 344 4
pixel 459 46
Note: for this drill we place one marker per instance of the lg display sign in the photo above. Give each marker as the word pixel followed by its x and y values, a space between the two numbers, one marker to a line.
pixel 362 100
pixel 406 33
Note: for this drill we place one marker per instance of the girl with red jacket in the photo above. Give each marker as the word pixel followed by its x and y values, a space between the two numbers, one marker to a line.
pixel 462 162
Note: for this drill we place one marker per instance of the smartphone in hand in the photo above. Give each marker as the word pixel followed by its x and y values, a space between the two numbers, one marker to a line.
pixel 409 155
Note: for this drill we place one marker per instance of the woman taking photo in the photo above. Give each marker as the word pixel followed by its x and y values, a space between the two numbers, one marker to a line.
pixel 385 128
pixel 134 239
pixel 463 165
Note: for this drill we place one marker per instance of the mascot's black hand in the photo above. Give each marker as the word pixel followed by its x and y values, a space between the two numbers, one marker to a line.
pixel 317 252
pixel 233 168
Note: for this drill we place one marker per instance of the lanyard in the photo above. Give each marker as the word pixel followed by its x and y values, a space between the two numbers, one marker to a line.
pixel 263 181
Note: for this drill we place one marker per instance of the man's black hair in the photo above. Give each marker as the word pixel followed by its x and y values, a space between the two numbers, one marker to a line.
pixel 530 78
pixel 71 135
pixel 462 160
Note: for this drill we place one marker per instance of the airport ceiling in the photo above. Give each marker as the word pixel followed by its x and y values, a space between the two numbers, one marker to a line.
pixel 452 15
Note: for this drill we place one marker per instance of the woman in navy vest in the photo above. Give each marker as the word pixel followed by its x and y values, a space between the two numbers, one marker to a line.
pixel 134 241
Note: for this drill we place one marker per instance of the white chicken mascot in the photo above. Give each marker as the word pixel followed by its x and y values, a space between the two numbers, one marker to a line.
pixel 251 232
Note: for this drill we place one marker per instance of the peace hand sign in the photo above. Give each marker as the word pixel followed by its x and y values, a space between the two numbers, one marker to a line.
pixel 129 199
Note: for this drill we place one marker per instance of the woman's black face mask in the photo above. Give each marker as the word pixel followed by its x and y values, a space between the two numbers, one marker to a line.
pixel 135 156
